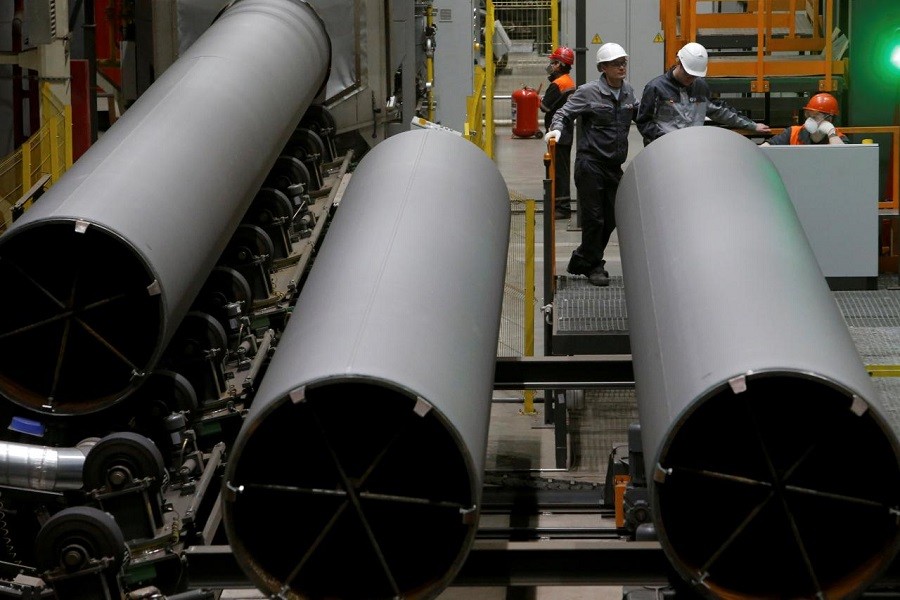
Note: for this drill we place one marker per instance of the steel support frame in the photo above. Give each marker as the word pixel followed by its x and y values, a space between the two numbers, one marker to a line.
pixel 555 375
pixel 494 563
pixel 498 563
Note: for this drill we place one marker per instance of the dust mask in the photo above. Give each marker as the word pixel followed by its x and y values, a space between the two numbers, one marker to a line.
pixel 811 125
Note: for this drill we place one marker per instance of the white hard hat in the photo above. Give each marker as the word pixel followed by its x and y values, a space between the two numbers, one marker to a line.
pixel 610 51
pixel 693 59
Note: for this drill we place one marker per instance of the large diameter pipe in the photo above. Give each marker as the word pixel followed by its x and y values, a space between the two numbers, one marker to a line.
pixel 101 271
pixel 774 470
pixel 364 448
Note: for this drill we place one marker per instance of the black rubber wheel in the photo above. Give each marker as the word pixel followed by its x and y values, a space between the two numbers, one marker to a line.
pixel 121 457
pixel 224 285
pixel 74 535
pixel 287 171
pixel 247 242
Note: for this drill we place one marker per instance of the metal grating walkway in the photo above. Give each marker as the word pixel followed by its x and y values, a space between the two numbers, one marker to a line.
pixel 594 320
pixel 581 307
pixel 590 319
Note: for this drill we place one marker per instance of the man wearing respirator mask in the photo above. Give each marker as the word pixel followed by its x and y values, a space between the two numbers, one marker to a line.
pixel 818 127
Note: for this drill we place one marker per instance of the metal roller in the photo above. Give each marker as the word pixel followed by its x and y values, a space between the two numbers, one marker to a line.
pixel 133 229
pixel 774 471
pixel 41 467
pixel 365 444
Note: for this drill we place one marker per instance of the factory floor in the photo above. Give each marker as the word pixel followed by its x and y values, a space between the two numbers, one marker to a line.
pixel 521 445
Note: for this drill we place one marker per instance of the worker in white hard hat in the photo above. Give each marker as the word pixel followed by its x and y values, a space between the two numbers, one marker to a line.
pixel 605 108
pixel 680 98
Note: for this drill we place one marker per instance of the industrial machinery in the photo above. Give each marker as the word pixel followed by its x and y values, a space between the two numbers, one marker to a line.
pixel 132 356
pixel 136 356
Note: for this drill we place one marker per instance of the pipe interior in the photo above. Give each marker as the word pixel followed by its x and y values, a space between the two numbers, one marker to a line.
pixel 352 476
pixel 783 479
pixel 76 319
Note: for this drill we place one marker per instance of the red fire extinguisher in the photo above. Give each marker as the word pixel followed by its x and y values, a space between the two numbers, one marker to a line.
pixel 525 103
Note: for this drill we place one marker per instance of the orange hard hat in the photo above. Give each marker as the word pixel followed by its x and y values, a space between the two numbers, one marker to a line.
pixel 824 103
pixel 563 54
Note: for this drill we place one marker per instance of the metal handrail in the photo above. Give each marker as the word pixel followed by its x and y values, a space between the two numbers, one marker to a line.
pixel 681 24
pixel 47 152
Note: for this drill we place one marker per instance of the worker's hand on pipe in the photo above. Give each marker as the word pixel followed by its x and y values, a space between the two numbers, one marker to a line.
pixel 553 134
pixel 762 128
pixel 826 128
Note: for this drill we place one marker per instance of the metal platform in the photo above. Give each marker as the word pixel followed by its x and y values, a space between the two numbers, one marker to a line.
pixel 590 319
pixel 594 320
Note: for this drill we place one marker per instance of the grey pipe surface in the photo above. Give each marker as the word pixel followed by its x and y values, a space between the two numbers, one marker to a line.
pixel 775 472
pixel 101 270
pixel 364 448
pixel 41 467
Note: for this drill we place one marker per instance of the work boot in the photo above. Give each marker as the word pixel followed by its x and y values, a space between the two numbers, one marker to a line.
pixel 563 208
pixel 599 277
pixel 578 266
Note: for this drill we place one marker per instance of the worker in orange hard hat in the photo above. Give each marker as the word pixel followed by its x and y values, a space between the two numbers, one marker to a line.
pixel 561 86
pixel 818 128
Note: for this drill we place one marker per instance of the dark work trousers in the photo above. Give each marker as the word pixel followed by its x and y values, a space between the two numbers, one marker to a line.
pixel 596 183
pixel 562 164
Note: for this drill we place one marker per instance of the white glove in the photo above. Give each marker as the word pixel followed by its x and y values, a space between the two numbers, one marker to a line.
pixel 826 128
pixel 553 134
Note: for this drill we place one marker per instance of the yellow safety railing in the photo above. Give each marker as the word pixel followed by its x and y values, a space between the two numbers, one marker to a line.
pixel 46 153
pixel 479 126
pixel 474 129
pixel 883 370
pixel 517 323
pixel 554 25
pixel 681 22
pixel 528 405
pixel 489 74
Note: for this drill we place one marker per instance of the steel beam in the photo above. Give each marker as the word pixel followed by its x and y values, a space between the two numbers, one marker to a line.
pixel 563 372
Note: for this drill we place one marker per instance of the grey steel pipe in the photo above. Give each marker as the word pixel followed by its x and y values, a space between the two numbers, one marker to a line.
pixel 774 471
pixel 41 467
pixel 364 448
pixel 137 224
